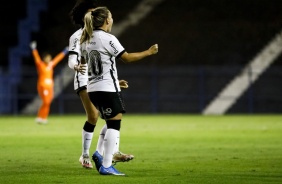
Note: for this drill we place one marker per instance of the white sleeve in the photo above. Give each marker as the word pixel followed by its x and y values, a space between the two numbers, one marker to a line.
pixel 74 50
pixel 114 47
pixel 72 60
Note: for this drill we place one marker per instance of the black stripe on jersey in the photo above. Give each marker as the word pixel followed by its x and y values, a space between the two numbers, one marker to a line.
pixel 114 80
pixel 118 56
pixel 76 76
pixel 74 53
pixel 112 75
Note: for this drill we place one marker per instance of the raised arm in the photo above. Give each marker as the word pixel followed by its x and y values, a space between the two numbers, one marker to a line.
pixel 131 57
pixel 35 54
pixel 60 56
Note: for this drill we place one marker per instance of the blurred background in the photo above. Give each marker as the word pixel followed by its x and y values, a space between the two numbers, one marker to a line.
pixel 215 56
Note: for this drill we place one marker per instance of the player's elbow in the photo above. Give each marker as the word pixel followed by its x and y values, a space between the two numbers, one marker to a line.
pixel 126 58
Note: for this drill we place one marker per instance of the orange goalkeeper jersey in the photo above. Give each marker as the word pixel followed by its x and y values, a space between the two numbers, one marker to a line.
pixel 45 71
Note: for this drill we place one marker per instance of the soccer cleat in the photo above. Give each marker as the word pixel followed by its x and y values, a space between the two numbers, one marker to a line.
pixel 121 157
pixel 85 161
pixel 41 121
pixel 98 159
pixel 110 171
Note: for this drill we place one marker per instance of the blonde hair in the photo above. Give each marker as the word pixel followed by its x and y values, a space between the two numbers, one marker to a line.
pixel 93 20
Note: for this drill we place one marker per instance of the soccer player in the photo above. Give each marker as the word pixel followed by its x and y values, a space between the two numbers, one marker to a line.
pixel 45 82
pixel 80 85
pixel 100 48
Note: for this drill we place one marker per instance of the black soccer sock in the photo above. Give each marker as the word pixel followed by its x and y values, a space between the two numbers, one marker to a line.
pixel 88 127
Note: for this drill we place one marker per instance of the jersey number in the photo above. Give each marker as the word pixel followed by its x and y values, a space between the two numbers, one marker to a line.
pixel 94 64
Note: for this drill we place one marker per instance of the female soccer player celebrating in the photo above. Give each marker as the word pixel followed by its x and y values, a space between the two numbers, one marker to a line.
pixel 45 82
pixel 80 85
pixel 100 48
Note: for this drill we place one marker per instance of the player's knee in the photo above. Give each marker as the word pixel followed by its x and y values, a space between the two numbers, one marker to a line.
pixel 92 120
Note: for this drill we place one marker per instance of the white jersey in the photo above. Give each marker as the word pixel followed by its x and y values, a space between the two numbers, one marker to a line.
pixel 80 80
pixel 100 53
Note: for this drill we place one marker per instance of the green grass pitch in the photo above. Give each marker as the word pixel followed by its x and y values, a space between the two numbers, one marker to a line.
pixel 168 149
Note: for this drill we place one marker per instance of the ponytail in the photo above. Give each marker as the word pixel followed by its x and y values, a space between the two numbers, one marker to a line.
pixel 88 28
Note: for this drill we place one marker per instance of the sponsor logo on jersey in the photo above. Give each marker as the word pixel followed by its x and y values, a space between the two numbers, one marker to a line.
pixel 95 79
pixel 74 44
pixel 92 43
pixel 114 48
